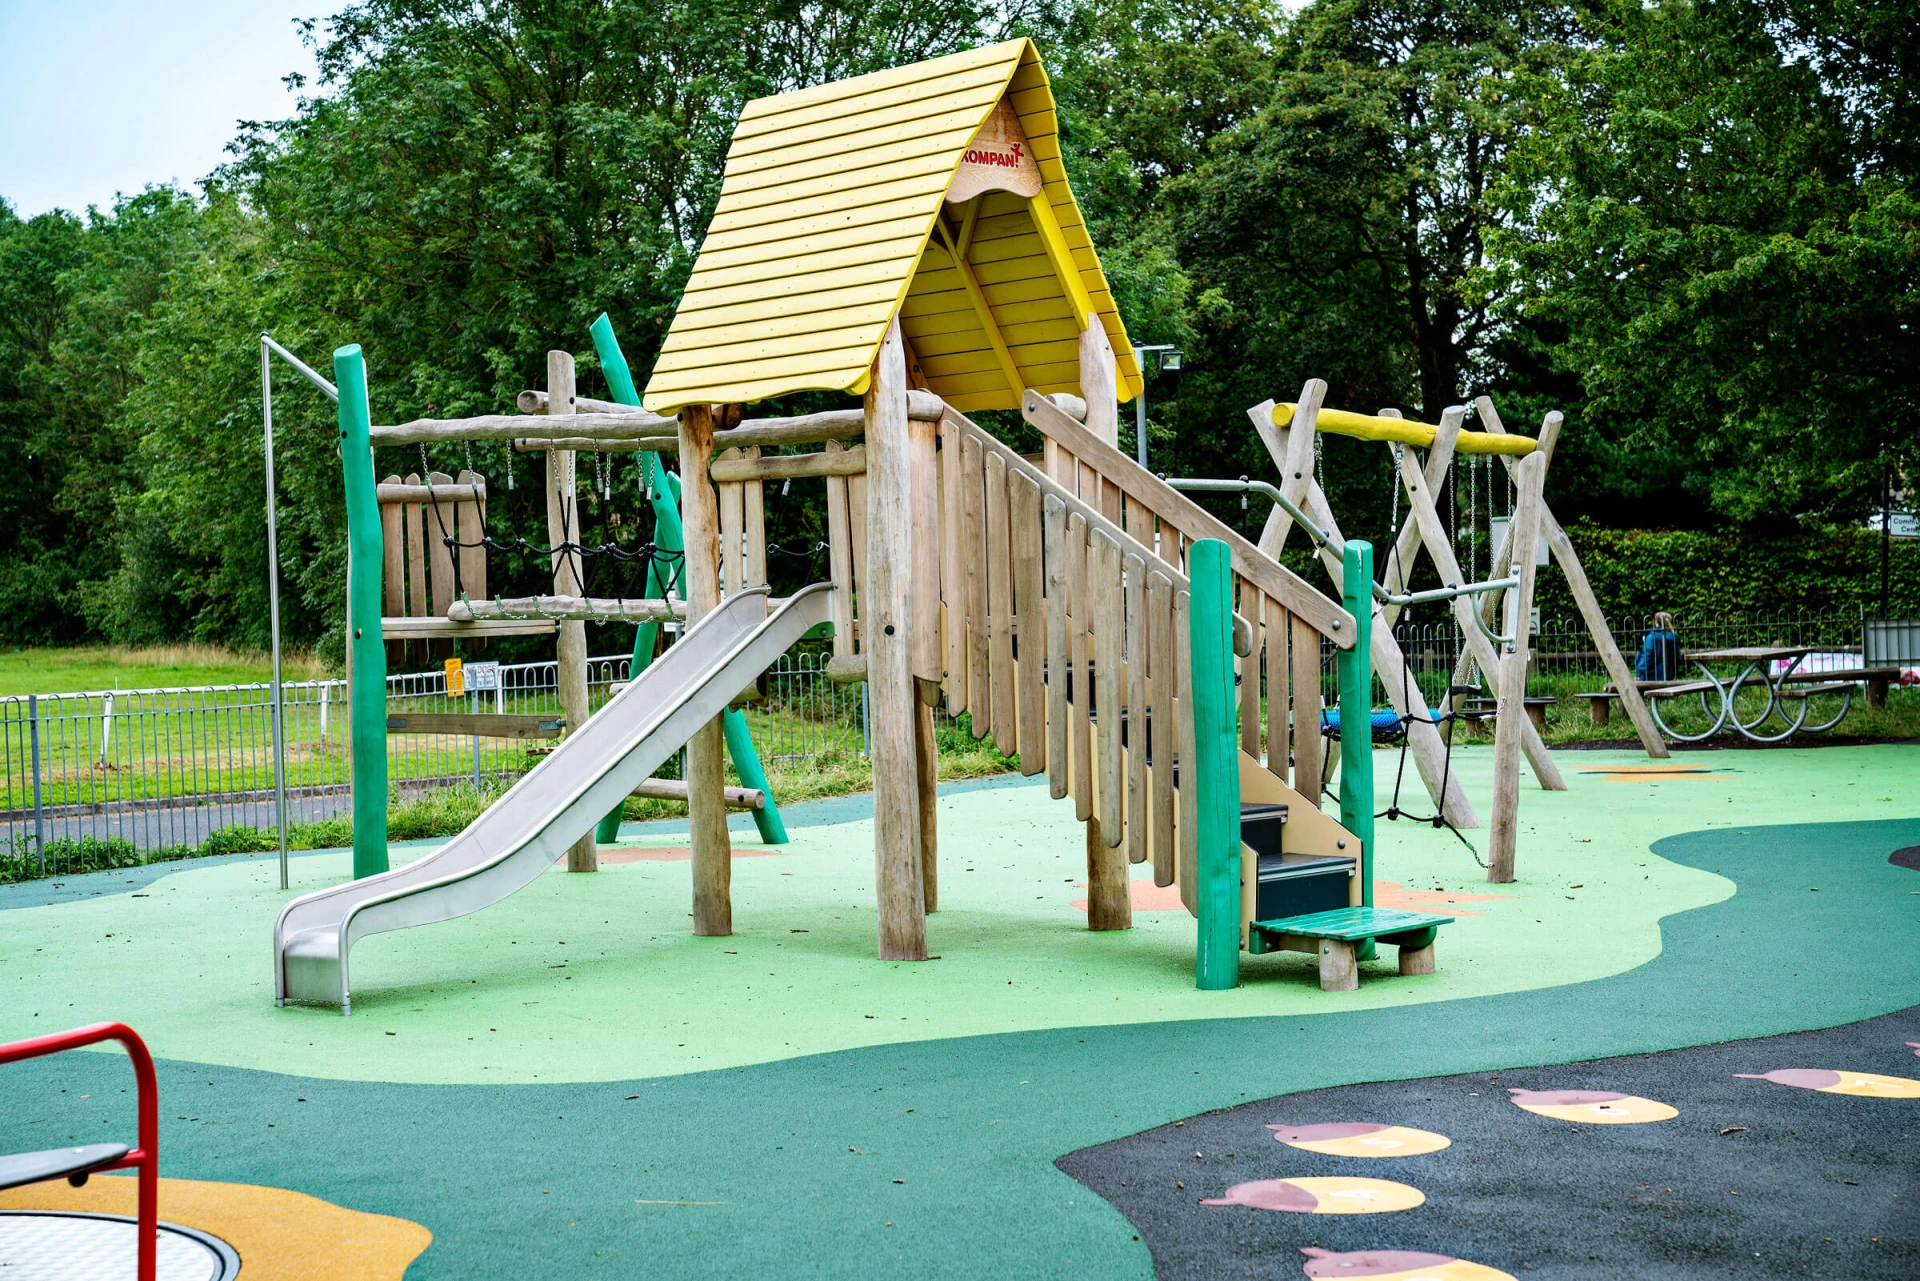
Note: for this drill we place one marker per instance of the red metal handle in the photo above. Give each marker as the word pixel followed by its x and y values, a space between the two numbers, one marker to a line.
pixel 147 1155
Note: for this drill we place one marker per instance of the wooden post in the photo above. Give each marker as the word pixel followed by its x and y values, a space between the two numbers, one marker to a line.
pixel 563 526
pixel 1511 717
pixel 1107 908
pixel 706 764
pixel 888 625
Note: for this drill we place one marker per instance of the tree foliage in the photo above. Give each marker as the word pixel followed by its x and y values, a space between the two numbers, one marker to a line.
pixel 1690 226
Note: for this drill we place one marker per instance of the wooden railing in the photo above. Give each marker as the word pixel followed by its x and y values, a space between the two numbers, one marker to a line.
pixel 1287 617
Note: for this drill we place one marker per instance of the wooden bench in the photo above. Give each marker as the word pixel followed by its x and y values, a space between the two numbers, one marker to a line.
pixel 1475 710
pixel 1600 702
pixel 1877 680
pixel 1334 937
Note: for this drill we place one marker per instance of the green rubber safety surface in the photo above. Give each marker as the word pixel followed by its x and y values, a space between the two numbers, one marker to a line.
pixel 598 977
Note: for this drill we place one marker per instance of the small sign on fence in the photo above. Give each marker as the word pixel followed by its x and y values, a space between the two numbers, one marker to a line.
pixel 480 677
pixel 456 678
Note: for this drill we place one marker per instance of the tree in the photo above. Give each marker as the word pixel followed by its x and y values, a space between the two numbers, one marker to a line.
pixel 1727 233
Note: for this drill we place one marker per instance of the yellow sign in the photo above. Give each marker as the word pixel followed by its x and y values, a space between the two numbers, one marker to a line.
pixel 456 679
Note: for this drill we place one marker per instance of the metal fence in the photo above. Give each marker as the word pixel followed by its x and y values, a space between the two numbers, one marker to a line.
pixel 1564 660
pixel 162 769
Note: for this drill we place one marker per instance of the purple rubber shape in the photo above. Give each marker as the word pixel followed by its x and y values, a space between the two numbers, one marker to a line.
pixel 1804 1078
pixel 1268 1194
pixel 1369 1263
pixel 1326 1130
pixel 1562 1098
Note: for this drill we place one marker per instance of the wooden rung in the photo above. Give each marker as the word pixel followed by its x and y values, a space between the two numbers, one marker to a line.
pixel 675 789
pixel 850 462
pixel 590 609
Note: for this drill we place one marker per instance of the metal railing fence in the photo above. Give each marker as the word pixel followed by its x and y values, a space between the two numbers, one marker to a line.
pixel 155 770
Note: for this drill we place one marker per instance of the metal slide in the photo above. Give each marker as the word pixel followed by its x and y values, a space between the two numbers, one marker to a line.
pixel 560 800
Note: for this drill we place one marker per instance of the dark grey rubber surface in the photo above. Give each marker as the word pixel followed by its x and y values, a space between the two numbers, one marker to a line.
pixel 1802 1184
pixel 1908 857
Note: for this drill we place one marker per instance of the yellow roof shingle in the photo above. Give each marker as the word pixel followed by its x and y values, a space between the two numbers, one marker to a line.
pixel 830 222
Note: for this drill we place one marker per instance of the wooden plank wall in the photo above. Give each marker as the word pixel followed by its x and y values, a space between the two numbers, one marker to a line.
pixel 417 578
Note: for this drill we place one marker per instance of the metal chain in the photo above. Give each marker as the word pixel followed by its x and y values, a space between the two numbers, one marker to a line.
pixel 1393 528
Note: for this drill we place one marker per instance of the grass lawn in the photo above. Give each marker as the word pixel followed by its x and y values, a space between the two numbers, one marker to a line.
pixel 66 671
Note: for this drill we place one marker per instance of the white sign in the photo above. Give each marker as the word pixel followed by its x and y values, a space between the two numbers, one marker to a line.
pixel 482 676
pixel 998 159
pixel 1497 530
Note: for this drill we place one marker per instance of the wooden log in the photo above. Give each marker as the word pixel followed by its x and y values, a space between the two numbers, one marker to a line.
pixel 892 697
pixel 847 669
pixel 675 789
pixel 1279 690
pixel 706 762
pixel 1423 739
pixel 1080 690
pixel 731 467
pixel 477 724
pixel 535 402
pixel 1058 655
pixel 1187 872
pixel 404 628
pixel 1175 508
pixel 1433 533
pixel 1071 405
pixel 1030 608
pixel 592 609
pixel 973 536
pixel 1159 737
pixel 1511 718
pixel 1137 667
pixel 1293 452
pixel 1404 431
pixel 434 431
pixel 1416 960
pixel 1339 967
pixel 394 490
pixel 1405 553
pixel 840 561
pixel 999 573
pixel 563 525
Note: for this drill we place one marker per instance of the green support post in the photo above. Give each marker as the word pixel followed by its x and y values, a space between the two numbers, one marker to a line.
pixel 669 535
pixel 1356 715
pixel 367 697
pixel 1215 770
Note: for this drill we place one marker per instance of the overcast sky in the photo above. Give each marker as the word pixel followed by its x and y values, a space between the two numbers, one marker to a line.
pixel 106 96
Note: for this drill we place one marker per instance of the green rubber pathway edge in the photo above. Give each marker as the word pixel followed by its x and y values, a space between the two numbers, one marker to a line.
pixel 934 1159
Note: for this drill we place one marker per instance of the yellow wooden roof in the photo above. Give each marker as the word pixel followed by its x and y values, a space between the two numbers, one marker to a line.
pixel 825 230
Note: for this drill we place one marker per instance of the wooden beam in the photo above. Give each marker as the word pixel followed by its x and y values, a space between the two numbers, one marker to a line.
pixel 477 724
pixel 983 312
pixel 849 462
pixel 395 492
pixel 1511 718
pixel 706 759
pixel 1403 430
pixel 535 402
pixel 1065 270
pixel 404 628
pixel 590 609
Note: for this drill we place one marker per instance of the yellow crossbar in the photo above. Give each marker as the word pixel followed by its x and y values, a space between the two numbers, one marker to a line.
pixel 1406 431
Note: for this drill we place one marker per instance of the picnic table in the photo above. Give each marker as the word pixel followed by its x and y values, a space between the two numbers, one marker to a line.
pixel 1774 669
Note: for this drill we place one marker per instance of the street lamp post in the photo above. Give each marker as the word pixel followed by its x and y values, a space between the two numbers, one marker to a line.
pixel 1170 358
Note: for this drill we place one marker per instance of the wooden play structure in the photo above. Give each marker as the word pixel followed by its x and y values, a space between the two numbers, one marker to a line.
pixel 910 238
pixel 1288 431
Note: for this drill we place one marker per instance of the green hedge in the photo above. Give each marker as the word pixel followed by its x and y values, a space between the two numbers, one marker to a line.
pixel 1698 572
